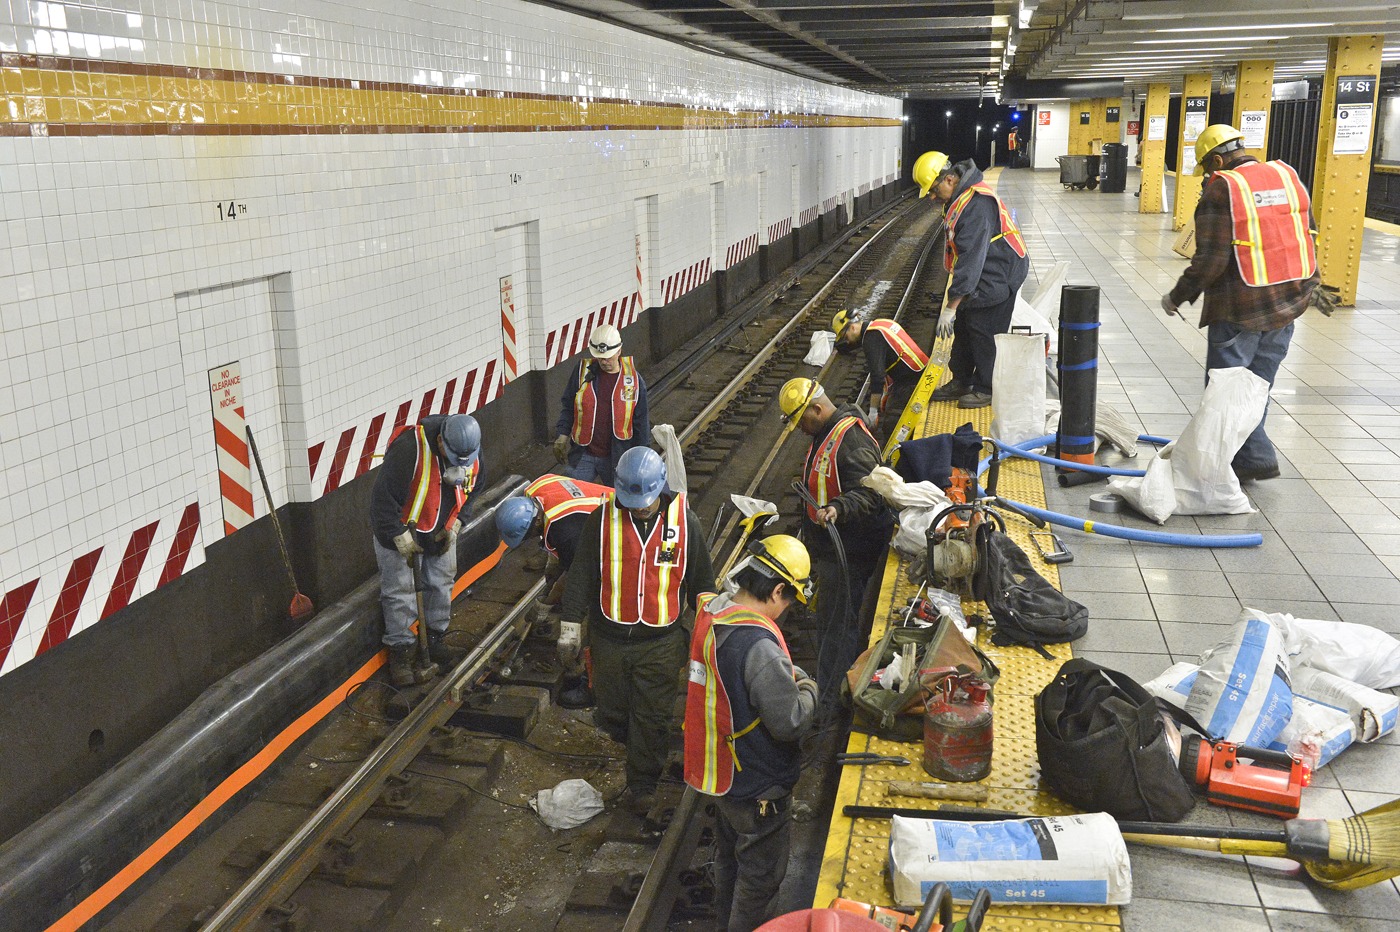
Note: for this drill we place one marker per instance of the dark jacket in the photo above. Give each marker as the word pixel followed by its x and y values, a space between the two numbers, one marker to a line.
pixel 641 417
pixel 394 482
pixel 881 361
pixel 862 516
pixel 987 272
pixel 581 592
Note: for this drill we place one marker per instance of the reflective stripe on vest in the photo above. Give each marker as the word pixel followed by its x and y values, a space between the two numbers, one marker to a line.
pixel 420 512
pixel 906 350
pixel 560 496
pixel 1009 232
pixel 624 402
pixel 710 735
pixel 641 579
pixel 1269 215
pixel 823 478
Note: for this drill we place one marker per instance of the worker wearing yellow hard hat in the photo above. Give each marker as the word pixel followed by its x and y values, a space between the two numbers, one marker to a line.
pixel 928 168
pixel 893 358
pixel 1256 265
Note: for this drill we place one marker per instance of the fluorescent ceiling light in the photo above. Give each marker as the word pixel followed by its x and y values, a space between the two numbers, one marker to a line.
pixel 1205 41
pixel 1243 28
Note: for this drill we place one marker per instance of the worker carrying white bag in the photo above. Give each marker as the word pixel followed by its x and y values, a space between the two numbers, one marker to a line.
pixel 1058 859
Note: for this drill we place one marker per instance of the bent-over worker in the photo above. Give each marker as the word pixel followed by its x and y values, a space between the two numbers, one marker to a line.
pixel 893 359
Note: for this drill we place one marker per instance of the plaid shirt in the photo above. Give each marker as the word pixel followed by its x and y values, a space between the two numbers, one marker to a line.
pixel 1215 272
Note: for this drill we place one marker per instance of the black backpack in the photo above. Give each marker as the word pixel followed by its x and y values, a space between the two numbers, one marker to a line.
pixel 1026 608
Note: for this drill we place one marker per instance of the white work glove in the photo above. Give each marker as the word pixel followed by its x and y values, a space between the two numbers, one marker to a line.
pixel 872 417
pixel 570 645
pixel 1169 307
pixel 407 545
pixel 449 533
pixel 945 321
pixel 561 448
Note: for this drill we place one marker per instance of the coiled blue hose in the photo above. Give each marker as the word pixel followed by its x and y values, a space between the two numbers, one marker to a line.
pixel 1024 449
pixel 1131 533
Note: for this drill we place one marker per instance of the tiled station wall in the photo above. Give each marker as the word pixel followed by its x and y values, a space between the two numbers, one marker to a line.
pixel 330 195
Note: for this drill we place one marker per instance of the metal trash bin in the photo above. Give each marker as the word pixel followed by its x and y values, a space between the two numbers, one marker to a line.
pixel 1115 167
pixel 1074 170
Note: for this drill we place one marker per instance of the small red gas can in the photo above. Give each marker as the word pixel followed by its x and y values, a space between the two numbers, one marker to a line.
pixel 958 730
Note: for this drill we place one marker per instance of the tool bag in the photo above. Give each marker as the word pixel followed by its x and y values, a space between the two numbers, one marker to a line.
pixel 1026 608
pixel 1104 744
pixel 898 714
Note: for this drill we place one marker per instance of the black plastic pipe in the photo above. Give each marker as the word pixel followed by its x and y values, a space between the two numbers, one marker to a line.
pixel 1079 376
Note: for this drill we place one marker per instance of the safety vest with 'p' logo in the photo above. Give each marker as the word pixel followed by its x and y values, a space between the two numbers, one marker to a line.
pixel 823 479
pixel 641 579
pixel 711 735
pixel 1269 211
pixel 560 496
pixel 1009 232
pixel 624 402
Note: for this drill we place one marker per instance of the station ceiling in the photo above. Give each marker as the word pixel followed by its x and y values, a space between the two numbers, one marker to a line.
pixel 957 48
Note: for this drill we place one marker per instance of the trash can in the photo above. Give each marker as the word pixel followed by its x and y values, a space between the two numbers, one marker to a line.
pixel 1115 167
pixel 1074 171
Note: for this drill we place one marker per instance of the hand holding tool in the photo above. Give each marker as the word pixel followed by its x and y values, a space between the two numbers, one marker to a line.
pixel 945 322
pixel 407 546
pixel 1169 307
pixel 967 793
pixel 869 757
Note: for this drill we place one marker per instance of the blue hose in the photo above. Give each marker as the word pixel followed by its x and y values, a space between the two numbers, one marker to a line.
pixel 1151 537
pixel 1024 449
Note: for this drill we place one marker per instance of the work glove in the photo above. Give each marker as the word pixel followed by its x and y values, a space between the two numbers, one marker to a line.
pixel 1169 307
pixel 872 417
pixel 407 545
pixel 561 448
pixel 1324 298
pixel 569 648
pixel 449 533
pixel 945 322
pixel 455 475
pixel 808 685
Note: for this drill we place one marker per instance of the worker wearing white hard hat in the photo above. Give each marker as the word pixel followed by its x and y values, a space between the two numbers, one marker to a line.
pixel 603 411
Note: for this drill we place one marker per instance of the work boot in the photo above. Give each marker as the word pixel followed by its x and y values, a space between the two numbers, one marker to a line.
pixel 401 665
pixel 441 652
pixel 639 799
pixel 950 392
pixel 1246 473
pixel 975 399
pixel 576 695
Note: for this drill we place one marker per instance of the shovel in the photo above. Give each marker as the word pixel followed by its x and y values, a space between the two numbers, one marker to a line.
pixel 301 607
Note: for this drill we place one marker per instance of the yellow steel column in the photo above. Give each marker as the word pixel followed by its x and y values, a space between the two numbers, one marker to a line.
pixel 1343 170
pixel 1096 125
pixel 1113 132
pixel 1154 147
pixel 1254 94
pixel 1078 131
pixel 1195 107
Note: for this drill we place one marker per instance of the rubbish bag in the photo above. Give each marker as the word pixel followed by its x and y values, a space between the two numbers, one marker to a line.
pixel 1046 299
pixel 568 805
pixel 918 503
pixel 823 343
pixel 1359 653
pixel 1018 387
pixel 1192 475
pixel 671 455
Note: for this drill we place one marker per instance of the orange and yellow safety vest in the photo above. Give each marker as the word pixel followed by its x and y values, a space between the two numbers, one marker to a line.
pixel 710 733
pixel 1269 212
pixel 624 402
pixel 1009 232
pixel 905 349
pixel 560 496
pixel 641 579
pixel 420 511
pixel 823 478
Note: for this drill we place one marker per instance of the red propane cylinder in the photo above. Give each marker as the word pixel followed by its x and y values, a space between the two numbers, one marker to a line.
pixel 958 730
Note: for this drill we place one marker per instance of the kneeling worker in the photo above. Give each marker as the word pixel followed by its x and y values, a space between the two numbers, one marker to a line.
pixel 641 563
pixel 746 708
pixel 895 362
pixel 986 256
pixel 428 472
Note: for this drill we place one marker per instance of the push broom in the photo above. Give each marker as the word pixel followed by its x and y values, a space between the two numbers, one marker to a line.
pixel 1342 854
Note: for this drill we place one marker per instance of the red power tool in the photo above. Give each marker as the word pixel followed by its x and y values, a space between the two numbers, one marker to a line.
pixel 1236 775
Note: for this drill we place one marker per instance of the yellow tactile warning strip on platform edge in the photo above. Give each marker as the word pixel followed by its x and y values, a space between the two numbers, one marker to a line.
pixel 856 861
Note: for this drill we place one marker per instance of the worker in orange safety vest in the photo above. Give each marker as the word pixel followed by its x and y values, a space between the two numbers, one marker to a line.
pixel 603 410
pixel 893 359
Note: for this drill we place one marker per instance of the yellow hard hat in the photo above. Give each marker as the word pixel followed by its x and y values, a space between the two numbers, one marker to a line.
pixel 840 322
pixel 796 395
pixel 927 169
pixel 1212 138
pixel 784 555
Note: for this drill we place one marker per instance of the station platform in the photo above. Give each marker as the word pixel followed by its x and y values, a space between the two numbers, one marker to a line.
pixel 1331 528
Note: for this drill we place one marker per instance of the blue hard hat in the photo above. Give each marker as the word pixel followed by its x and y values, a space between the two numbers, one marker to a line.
pixel 514 517
pixel 639 478
pixel 461 436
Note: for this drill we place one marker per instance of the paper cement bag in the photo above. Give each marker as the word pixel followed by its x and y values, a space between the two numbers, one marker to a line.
pixel 1185 243
pixel 1316 733
pixel 1242 692
pixel 1058 859
pixel 1371 711
pixel 1359 653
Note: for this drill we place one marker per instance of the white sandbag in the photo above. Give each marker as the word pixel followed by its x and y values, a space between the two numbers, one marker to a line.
pixel 1195 469
pixel 568 805
pixel 1242 692
pixel 1018 387
pixel 823 344
pixel 671 455
pixel 901 494
pixel 1316 733
pixel 1058 859
pixel 1026 316
pixel 1372 712
pixel 1359 653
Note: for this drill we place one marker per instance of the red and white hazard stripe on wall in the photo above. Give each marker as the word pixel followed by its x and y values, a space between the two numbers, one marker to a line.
pixel 777 231
pixel 808 216
pixel 740 251
pixel 44 611
pixel 231 446
pixel 684 281
pixel 829 204
pixel 571 338
pixel 509 352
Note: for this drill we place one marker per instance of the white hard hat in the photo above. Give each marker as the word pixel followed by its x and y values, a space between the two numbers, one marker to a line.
pixel 604 342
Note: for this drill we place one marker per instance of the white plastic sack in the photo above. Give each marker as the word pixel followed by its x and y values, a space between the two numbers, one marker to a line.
pixel 1241 693
pixel 671 455
pixel 1059 859
pixel 1359 653
pixel 1046 299
pixel 568 805
pixel 1018 387
pixel 1372 712
pixel 1316 733
pixel 911 536
pixel 901 494
pixel 1026 315
pixel 1192 476
pixel 823 343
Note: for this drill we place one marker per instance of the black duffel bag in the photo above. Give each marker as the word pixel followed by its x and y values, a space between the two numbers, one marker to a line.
pixel 1026 608
pixel 1103 745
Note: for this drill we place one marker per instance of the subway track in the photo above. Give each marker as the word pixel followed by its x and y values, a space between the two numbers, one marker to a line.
pixel 410 810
